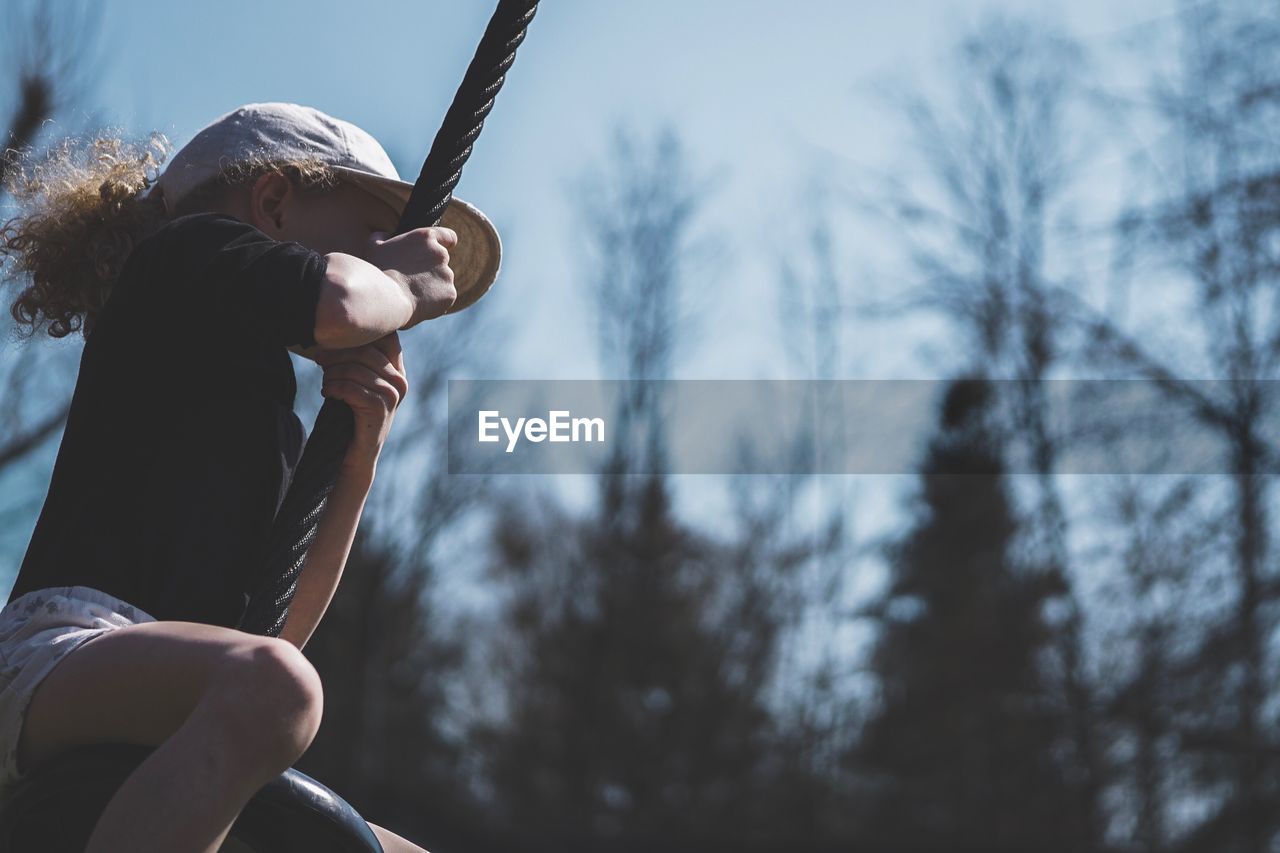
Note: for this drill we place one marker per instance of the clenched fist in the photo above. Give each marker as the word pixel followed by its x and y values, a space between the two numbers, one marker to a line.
pixel 371 380
pixel 419 261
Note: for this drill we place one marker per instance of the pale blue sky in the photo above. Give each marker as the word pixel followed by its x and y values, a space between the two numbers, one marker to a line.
pixel 759 90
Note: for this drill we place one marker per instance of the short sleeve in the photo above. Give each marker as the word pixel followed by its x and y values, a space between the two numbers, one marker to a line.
pixel 247 282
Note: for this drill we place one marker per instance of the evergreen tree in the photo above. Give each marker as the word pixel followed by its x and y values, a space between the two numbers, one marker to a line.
pixel 637 705
pixel 963 752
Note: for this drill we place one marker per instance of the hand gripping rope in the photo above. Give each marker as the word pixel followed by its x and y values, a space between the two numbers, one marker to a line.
pixel 295 526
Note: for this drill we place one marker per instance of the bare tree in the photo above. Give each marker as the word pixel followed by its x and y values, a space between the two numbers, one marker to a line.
pixel 1208 227
pixel 51 49
pixel 1169 535
pixel 54 50
pixel 815 310
pixel 644 253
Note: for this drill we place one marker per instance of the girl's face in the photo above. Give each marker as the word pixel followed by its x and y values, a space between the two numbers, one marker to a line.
pixel 342 219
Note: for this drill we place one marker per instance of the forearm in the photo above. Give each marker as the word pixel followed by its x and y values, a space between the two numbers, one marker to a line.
pixel 328 554
pixel 359 303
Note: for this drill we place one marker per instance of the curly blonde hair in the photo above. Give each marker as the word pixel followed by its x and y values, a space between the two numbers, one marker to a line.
pixel 80 216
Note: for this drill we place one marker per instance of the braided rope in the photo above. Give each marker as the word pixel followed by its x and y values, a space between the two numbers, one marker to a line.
pixel 308 494
pixel 472 104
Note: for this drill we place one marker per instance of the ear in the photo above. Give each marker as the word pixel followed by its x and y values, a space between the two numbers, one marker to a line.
pixel 267 201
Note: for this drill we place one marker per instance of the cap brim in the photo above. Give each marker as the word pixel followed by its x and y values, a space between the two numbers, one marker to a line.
pixel 477 257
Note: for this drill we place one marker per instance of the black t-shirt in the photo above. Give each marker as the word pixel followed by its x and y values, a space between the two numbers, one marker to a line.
pixel 181 438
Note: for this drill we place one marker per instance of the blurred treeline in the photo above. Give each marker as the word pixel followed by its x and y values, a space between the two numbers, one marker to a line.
pixel 1048 663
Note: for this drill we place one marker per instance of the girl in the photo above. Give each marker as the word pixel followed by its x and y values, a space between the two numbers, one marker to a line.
pixel 267 233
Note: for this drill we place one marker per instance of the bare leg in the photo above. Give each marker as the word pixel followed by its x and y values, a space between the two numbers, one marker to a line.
pixel 393 843
pixel 226 710
pixel 187 793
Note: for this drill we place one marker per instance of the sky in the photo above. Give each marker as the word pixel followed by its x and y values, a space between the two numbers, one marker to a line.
pixel 768 96
pixel 775 98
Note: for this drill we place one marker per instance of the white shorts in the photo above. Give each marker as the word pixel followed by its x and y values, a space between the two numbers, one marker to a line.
pixel 37 630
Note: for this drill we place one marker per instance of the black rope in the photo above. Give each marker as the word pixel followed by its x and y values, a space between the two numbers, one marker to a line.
pixel 313 480
pixel 471 106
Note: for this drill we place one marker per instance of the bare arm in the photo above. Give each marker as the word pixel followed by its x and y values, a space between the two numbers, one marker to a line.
pixel 328 554
pixel 371 380
pixel 398 283
pixel 359 303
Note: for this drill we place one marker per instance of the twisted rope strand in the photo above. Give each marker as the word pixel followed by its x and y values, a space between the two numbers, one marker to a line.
pixel 472 104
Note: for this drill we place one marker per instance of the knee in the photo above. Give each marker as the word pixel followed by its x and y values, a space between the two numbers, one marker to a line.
pixel 273 694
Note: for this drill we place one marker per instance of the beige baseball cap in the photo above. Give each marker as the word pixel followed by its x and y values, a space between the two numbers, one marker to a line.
pixel 289 131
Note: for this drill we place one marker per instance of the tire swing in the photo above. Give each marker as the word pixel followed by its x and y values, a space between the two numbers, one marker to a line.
pixel 55 808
